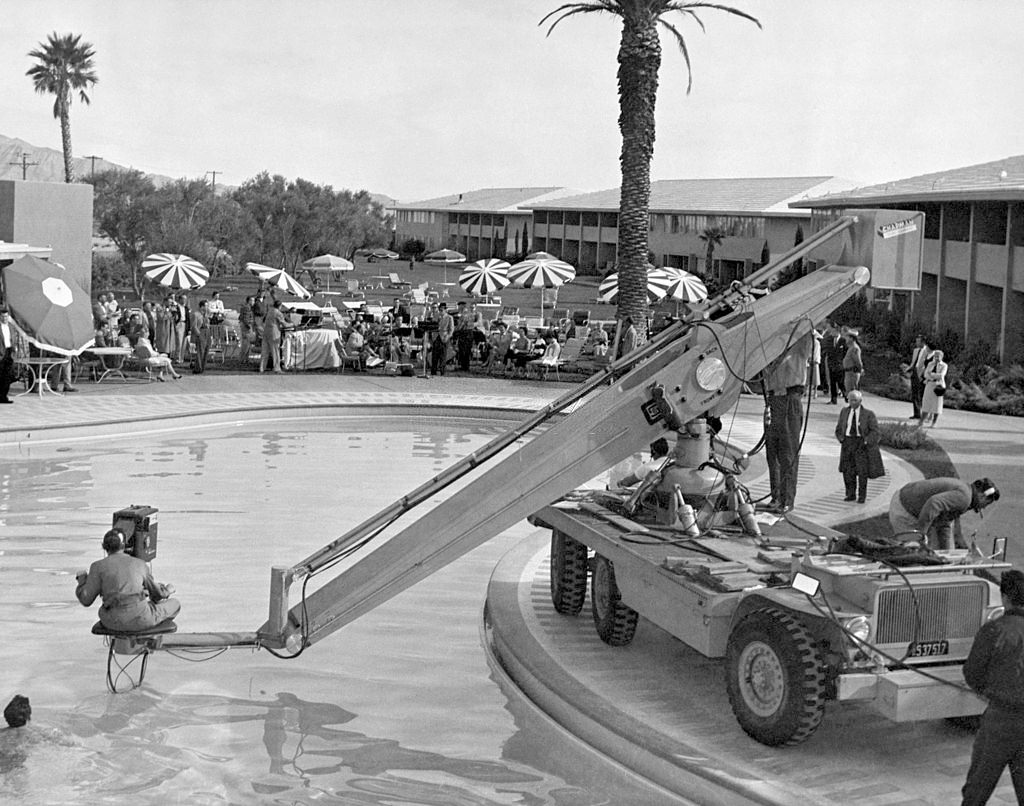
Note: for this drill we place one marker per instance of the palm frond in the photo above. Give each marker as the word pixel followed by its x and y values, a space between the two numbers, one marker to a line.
pixel 681 42
pixel 571 9
pixel 689 7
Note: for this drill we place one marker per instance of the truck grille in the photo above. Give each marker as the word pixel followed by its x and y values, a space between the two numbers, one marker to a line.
pixel 951 611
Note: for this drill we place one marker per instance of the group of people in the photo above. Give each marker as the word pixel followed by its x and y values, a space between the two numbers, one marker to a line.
pixel 836 361
pixel 927 369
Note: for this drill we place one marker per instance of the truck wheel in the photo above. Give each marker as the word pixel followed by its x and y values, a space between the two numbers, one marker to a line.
pixel 568 573
pixel 775 678
pixel 615 622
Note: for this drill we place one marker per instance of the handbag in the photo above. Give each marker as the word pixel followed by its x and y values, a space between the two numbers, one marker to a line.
pixel 940 391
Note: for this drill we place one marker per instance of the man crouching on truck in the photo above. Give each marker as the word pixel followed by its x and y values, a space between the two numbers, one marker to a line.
pixel 995 670
pixel 123 582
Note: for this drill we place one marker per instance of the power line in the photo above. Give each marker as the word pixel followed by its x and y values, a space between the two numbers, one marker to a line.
pixel 24 163
pixel 213 182
pixel 92 159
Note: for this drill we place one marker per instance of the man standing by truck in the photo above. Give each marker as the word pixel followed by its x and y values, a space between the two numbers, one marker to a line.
pixel 785 382
pixel 995 670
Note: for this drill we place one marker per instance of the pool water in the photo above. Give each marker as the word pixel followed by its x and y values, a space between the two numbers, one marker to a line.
pixel 399 707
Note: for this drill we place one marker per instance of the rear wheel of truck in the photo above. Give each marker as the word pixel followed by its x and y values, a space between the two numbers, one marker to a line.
pixel 615 622
pixel 775 678
pixel 568 573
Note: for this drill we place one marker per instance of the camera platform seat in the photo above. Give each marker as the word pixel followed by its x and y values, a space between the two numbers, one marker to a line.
pixel 138 643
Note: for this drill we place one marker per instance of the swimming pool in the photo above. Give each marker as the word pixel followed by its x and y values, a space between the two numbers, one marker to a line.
pixel 398 707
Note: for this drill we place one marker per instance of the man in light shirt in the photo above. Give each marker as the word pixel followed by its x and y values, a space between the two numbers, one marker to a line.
pixel 6 355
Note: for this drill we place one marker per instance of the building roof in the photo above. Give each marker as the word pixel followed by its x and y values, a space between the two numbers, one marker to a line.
pixel 763 195
pixel 1002 179
pixel 488 200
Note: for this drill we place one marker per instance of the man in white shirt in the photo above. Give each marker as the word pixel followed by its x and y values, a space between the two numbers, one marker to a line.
pixel 6 355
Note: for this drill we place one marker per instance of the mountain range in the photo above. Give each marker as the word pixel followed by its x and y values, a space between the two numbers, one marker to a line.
pixel 47 165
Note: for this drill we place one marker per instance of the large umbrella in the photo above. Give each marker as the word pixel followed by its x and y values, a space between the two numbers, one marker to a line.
pixel 384 254
pixel 175 271
pixel 682 286
pixel 542 273
pixel 329 264
pixel 48 305
pixel 446 258
pixel 485 277
pixel 657 281
pixel 279 278
pixel 540 256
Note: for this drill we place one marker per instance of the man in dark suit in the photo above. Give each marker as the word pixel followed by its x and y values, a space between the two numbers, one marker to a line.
pixel 6 355
pixel 859 458
pixel 918 359
pixel 833 348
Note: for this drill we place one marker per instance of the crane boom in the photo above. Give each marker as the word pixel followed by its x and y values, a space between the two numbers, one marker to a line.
pixel 689 370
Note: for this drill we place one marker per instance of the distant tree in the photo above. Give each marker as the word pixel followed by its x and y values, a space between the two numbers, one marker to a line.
pixel 712 237
pixel 125 210
pixel 413 246
pixel 639 62
pixel 64 65
pixel 794 270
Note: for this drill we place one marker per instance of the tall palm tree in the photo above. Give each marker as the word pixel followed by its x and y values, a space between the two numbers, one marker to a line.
pixel 639 62
pixel 712 237
pixel 64 64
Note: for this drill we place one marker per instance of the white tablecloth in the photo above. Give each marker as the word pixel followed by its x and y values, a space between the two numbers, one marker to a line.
pixel 310 349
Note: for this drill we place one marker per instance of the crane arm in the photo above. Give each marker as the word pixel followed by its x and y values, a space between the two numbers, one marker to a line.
pixel 687 371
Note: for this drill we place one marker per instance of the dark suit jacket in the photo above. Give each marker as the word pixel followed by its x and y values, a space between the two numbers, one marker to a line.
pixel 833 348
pixel 860 454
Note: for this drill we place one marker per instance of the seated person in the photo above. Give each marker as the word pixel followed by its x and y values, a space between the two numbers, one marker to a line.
pixel 132 601
pixel 520 352
pixel 151 359
pixel 498 343
pixel 597 341
pixel 550 356
pixel 135 329
pixel 659 450
pixel 401 353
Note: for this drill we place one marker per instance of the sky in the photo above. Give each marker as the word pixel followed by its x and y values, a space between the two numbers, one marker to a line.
pixel 421 98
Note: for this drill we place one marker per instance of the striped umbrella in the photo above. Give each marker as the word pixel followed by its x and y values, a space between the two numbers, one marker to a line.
pixel 682 286
pixel 656 284
pixel 485 277
pixel 541 273
pixel 279 278
pixel 175 271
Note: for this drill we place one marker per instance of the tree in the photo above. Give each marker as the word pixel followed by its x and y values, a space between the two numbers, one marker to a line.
pixel 126 211
pixel 639 61
pixel 64 64
pixel 712 237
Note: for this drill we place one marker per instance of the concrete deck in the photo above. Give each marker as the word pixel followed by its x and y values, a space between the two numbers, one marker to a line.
pixel 656 706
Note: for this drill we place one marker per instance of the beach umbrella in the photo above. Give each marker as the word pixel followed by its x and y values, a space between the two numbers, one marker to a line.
pixel 542 273
pixel 48 306
pixel 682 286
pixel 328 264
pixel 384 254
pixel 279 278
pixel 446 258
pixel 485 277
pixel 608 290
pixel 541 256
pixel 175 271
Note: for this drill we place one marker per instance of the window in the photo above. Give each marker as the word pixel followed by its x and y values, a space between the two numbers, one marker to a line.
pixel 990 222
pixel 590 219
pixel 674 223
pixel 610 220
pixel 540 216
pixel 485 219
pixel 956 221
pixel 554 217
pixel 474 218
pixel 932 218
pixel 572 218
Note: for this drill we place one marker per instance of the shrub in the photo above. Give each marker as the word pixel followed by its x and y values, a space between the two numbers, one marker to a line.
pixel 904 435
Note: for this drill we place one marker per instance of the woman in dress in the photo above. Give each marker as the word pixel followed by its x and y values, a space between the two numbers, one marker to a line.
pixel 934 379
pixel 853 365
pixel 273 327
pixel 162 337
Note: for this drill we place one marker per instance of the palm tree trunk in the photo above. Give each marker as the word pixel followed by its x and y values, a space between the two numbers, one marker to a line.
pixel 639 60
pixel 65 137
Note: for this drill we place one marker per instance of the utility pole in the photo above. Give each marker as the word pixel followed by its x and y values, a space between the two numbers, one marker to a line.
pixel 92 160
pixel 213 181
pixel 24 163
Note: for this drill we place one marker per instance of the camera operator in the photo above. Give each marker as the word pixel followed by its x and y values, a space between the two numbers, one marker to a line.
pixel 123 582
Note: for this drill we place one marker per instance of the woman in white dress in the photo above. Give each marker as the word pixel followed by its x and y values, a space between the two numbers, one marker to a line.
pixel 934 378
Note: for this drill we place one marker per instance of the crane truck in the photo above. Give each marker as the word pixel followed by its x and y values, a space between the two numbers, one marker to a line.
pixel 800 620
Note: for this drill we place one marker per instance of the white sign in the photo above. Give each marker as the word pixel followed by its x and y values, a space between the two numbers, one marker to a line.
pixel 898 228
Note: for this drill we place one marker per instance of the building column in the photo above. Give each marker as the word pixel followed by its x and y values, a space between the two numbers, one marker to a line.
pixel 1004 306
pixel 941 269
pixel 972 270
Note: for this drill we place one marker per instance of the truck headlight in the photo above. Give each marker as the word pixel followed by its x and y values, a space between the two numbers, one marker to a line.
pixel 995 613
pixel 858 627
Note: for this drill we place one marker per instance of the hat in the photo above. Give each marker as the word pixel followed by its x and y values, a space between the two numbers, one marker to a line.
pixel 987 488
pixel 443 305
pixel 3 309
pixel 1011 585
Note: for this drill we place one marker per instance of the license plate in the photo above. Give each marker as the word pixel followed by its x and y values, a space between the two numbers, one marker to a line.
pixel 927 649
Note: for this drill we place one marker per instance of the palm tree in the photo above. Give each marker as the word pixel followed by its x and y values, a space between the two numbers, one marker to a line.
pixel 713 237
pixel 64 65
pixel 639 61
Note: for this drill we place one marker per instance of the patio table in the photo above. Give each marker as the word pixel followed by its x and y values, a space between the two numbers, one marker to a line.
pixel 113 359
pixel 39 369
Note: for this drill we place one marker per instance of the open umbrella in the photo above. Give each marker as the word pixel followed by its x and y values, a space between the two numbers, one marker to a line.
pixel 446 258
pixel 540 256
pixel 485 277
pixel 682 286
pixel 542 273
pixel 328 264
pixel 48 305
pixel 608 290
pixel 384 254
pixel 175 271
pixel 279 278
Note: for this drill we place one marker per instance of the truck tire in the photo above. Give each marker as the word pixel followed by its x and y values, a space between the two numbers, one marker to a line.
pixel 775 678
pixel 615 622
pixel 568 573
